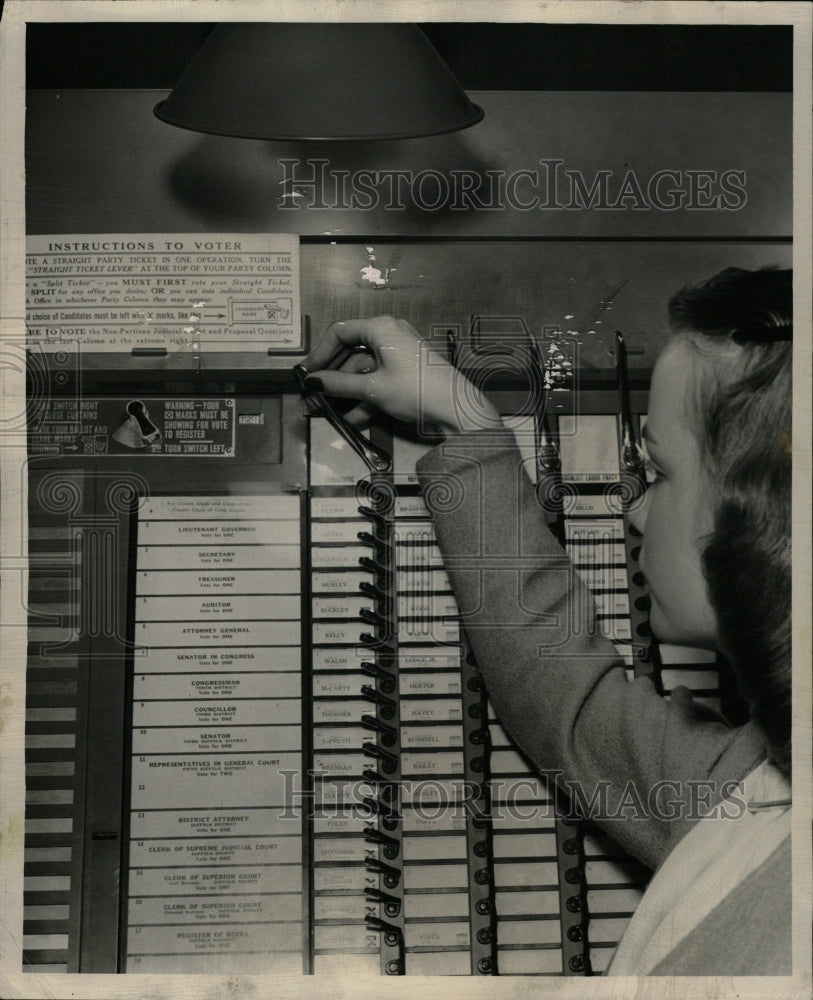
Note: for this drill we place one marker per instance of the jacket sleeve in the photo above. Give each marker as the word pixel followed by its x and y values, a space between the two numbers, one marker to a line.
pixel 641 765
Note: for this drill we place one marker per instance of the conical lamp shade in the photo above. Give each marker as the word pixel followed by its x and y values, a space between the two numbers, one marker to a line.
pixel 295 81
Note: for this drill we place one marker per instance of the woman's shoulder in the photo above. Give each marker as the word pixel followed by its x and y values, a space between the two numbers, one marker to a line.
pixel 724 944
pixel 735 751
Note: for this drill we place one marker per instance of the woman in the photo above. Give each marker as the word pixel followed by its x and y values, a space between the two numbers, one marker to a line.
pixel 705 805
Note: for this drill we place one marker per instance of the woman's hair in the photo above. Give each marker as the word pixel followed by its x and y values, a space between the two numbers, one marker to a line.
pixel 742 323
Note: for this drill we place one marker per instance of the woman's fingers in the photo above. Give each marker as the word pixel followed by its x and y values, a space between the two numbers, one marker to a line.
pixel 383 362
pixel 359 361
pixel 373 334
pixel 361 416
pixel 347 385
pixel 334 341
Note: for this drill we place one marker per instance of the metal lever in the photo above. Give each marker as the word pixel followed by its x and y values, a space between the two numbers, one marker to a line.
pixel 549 460
pixel 632 457
pixel 390 874
pixel 370 590
pixel 389 761
pixel 385 679
pixel 378 545
pixel 388 734
pixel 373 514
pixel 391 904
pixel 380 699
pixel 372 618
pixel 376 459
pixel 390 845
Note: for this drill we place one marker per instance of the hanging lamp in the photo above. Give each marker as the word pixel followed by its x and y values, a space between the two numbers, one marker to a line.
pixel 293 81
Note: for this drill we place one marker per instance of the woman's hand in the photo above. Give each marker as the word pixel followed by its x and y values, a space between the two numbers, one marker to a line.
pixel 384 363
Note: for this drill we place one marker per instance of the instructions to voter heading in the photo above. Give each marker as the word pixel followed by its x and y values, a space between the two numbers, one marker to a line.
pixel 164 292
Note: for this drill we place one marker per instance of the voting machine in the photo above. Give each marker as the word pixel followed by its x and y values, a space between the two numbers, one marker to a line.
pixel 257 740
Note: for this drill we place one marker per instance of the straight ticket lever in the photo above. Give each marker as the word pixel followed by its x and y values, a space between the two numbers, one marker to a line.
pixel 646 653
pixel 376 458
pixel 632 457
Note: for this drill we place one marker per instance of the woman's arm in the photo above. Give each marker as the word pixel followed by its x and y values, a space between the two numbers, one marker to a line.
pixel 557 684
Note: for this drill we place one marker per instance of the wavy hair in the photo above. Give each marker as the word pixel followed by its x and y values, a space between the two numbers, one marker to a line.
pixel 742 323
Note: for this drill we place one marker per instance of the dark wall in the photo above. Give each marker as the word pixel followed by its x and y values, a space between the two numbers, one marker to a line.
pixel 755 58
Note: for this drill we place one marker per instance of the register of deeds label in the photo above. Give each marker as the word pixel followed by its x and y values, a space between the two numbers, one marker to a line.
pixel 226 780
pixel 180 292
pixel 180 940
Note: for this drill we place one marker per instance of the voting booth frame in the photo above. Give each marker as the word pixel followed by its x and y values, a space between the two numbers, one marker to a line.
pixel 257 740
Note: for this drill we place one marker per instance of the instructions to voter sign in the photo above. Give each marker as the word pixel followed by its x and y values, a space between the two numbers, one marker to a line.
pixel 164 292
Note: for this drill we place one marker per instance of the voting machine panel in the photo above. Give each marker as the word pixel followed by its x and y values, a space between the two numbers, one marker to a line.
pixel 257 740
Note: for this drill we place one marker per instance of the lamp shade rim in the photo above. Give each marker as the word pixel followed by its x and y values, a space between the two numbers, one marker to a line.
pixel 476 115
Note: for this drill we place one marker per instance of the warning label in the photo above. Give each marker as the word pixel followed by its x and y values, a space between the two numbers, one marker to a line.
pixel 121 426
